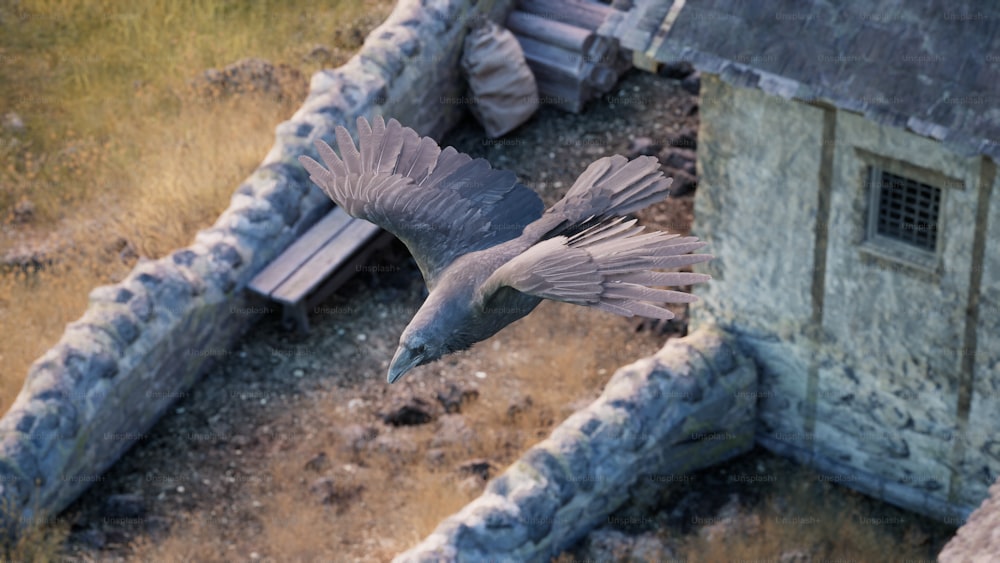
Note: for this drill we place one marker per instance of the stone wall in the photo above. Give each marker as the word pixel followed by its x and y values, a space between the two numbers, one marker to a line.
pixel 142 342
pixel 862 356
pixel 690 406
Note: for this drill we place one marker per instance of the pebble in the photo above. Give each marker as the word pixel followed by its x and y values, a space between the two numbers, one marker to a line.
pixel 362 337
pixel 298 373
pixel 180 489
pixel 481 374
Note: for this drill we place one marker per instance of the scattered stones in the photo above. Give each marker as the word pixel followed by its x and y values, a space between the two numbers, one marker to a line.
pixel 251 76
pixel 609 544
pixel 585 469
pixel 323 489
pixel 330 490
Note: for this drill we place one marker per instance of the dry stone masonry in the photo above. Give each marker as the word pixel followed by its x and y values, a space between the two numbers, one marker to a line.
pixel 691 405
pixel 144 341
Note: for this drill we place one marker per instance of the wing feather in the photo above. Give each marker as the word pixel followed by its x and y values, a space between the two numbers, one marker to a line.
pixel 608 266
pixel 441 203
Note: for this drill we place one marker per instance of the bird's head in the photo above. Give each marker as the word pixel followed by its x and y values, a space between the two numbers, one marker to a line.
pixel 415 349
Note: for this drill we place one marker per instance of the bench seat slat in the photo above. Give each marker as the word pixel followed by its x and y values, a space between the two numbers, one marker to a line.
pixel 325 261
pixel 300 252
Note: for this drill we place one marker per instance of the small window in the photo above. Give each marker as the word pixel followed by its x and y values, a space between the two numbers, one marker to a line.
pixel 903 209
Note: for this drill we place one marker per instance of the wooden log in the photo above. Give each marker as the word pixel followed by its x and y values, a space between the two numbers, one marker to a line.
pixel 547 59
pixel 589 15
pixel 601 51
pixel 601 77
pixel 565 95
pixel 570 37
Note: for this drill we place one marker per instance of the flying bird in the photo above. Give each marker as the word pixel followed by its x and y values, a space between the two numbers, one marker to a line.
pixel 487 248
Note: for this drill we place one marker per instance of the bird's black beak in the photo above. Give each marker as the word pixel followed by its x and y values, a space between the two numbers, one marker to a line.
pixel 402 362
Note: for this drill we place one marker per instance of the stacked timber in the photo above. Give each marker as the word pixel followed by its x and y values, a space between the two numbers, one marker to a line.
pixel 572 62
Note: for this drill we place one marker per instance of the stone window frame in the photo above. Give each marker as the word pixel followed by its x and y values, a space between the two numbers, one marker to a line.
pixel 887 248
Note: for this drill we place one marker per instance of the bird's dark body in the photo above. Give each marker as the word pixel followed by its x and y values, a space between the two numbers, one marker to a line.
pixel 473 317
pixel 489 251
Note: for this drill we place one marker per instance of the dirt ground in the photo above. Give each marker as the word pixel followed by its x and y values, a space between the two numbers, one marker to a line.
pixel 295 448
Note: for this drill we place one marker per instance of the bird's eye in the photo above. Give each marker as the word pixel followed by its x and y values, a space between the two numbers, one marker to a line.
pixel 419 350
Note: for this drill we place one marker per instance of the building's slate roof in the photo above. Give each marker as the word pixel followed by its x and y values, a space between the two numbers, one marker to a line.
pixel 930 66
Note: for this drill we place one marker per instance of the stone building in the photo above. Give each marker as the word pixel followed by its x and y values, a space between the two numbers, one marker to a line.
pixel 847 156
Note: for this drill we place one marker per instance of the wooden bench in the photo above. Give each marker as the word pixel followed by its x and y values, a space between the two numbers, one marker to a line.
pixel 317 264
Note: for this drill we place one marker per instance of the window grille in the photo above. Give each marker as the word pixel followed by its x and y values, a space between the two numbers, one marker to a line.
pixel 903 209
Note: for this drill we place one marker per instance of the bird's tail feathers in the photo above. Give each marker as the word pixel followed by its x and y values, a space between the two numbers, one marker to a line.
pixel 614 186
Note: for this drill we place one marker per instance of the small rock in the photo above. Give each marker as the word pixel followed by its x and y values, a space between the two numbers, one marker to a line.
pixel 479 467
pixel 23 212
pixel 414 412
pixel 480 374
pixel 323 489
pixel 13 123
pixel 642 146
pixel 318 463
pixel 320 54
pixel 453 399
pixel 298 373
pixel 355 437
pixel 125 505
pixel 678 70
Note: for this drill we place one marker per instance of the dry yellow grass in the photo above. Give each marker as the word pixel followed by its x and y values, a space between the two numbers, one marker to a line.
pixel 805 516
pixel 118 152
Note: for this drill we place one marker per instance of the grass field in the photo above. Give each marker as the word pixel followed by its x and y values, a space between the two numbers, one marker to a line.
pixel 119 157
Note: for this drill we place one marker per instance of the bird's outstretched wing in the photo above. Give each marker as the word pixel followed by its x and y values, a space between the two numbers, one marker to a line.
pixel 440 203
pixel 607 266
